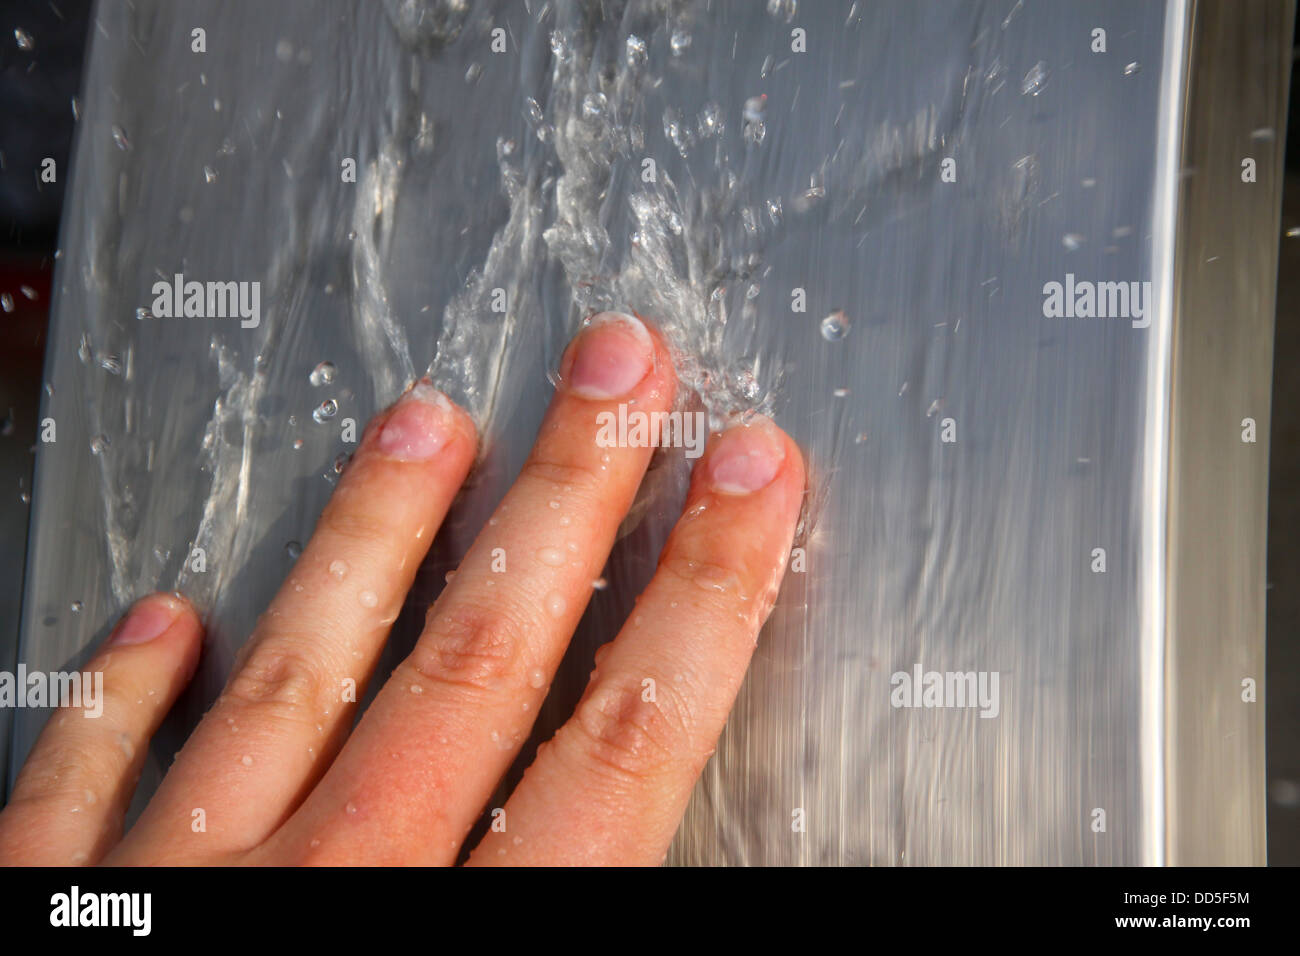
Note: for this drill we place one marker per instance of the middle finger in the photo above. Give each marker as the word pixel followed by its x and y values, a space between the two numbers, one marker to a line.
pixel 415 774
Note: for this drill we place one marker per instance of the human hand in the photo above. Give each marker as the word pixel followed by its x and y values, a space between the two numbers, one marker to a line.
pixel 272 766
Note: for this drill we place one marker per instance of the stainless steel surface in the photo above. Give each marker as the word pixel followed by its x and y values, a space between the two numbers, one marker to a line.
pixel 1119 691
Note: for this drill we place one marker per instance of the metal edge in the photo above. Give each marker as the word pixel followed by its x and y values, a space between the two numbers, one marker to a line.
pixel 1223 285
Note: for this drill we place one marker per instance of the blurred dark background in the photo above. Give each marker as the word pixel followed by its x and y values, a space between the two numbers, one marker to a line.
pixel 42 43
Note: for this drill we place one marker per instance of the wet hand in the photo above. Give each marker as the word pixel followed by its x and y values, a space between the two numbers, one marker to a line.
pixel 275 769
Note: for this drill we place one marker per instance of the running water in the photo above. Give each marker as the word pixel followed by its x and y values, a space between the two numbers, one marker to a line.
pixel 840 215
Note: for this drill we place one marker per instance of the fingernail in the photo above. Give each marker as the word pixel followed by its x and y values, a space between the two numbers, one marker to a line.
pixel 746 458
pixel 418 426
pixel 610 356
pixel 147 620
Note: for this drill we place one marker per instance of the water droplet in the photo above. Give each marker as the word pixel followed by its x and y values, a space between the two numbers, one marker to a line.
pixel 417 689
pixel 322 374
pixel 351 807
pixel 6 301
pixel 1035 80
pixel 835 326
pixel 325 411
pixel 553 557
pixel 246 760
pixel 75 607
pixel 715 579
pixel 339 569
pixel 341 462
pixel 24 40
pixel 473 72
pixel 1134 67
pixel 555 604
pixel 536 678
pixel 680 42
pixel 120 140
pixel 368 598
pixel 142 314
pixel 99 444
pixel 1072 241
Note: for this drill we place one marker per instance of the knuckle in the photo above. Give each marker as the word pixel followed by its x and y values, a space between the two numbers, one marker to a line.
pixel 355 524
pixel 473 649
pixel 279 677
pixel 626 737
pixel 566 476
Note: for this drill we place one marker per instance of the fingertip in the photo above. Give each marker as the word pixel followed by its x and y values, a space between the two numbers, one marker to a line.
pixel 155 615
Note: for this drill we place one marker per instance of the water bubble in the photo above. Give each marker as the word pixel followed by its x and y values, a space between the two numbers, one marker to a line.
pixel 680 42
pixel 636 52
pixel 1035 80
pixel 561 48
pixel 24 40
pixel 1134 67
pixel 99 444
pixel 593 105
pixel 120 140
pixel 325 410
pixel 835 326
pixel 209 174
pixel 293 549
pixel 6 301
pixel 710 120
pixel 75 607
pixel 142 314
pixel 782 9
pixel 533 110
pixel 755 129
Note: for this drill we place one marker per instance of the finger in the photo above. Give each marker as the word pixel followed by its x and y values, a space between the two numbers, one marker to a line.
pixel 457 710
pixel 72 794
pixel 611 786
pixel 291 696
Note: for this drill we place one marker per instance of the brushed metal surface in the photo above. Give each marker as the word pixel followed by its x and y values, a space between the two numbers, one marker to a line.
pixel 974 555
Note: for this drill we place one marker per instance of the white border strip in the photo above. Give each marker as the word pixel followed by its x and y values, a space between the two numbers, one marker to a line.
pixel 1155 497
